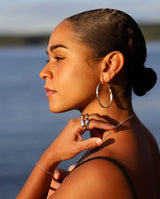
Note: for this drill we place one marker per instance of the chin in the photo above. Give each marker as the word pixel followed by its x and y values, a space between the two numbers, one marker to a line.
pixel 58 109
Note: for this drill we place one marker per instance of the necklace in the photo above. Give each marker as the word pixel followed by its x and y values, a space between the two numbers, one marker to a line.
pixel 118 125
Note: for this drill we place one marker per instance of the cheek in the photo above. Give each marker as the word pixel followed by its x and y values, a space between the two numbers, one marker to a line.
pixel 65 78
pixel 76 83
pixel 66 74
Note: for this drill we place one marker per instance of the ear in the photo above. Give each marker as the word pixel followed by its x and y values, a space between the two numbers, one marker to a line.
pixel 111 65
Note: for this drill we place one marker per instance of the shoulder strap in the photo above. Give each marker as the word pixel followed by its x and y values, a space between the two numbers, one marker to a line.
pixel 118 165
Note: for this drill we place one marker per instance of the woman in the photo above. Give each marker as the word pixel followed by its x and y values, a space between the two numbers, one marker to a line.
pixel 96 58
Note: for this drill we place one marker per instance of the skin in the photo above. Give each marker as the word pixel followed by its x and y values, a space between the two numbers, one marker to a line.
pixel 64 76
pixel 71 77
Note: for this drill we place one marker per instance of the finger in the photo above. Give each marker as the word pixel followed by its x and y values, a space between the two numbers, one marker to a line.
pixel 50 193
pixel 92 116
pixel 99 124
pixel 98 117
pixel 56 174
pixel 55 184
pixel 59 174
pixel 90 143
pixel 97 120
pixel 53 187
pixel 95 124
pixel 71 168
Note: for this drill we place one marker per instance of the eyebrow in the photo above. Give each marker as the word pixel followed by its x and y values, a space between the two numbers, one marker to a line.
pixel 56 46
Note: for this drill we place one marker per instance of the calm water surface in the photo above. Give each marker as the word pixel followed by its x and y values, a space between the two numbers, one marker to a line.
pixel 27 127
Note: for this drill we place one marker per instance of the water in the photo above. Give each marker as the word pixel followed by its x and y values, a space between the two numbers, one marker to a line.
pixel 27 127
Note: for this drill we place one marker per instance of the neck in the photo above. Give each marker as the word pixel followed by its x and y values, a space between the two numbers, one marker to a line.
pixel 114 112
pixel 120 109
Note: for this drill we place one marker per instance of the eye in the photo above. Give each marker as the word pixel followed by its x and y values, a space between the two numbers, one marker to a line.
pixel 58 58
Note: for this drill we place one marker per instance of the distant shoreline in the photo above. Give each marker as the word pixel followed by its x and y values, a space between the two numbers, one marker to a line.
pixel 23 40
pixel 150 31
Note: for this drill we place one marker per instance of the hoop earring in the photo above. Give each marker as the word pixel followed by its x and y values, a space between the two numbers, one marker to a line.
pixel 110 96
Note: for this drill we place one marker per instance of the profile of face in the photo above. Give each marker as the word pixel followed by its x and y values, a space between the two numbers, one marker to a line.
pixel 71 75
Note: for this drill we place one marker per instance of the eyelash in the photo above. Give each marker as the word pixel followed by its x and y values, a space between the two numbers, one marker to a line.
pixel 56 58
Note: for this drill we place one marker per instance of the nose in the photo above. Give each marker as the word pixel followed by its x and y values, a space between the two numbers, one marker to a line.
pixel 45 73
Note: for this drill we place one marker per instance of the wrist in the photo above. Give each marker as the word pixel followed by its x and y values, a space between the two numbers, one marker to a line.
pixel 49 162
pixel 47 171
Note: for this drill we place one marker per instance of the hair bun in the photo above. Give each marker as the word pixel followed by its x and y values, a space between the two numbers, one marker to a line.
pixel 143 81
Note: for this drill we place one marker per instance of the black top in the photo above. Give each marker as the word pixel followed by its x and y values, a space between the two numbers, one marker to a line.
pixel 117 164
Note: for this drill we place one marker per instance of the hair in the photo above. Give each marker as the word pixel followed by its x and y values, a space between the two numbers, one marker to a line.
pixel 107 30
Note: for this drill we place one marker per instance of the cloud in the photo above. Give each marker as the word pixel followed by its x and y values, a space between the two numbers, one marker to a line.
pixel 33 16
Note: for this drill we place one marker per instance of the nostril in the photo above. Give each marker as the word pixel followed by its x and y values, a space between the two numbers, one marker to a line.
pixel 45 74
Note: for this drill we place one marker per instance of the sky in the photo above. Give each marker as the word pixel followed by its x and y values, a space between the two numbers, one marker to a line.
pixel 24 17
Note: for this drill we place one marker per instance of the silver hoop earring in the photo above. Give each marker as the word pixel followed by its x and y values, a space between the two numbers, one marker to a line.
pixel 110 96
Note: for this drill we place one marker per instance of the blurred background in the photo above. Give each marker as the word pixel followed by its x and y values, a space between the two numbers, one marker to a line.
pixel 27 127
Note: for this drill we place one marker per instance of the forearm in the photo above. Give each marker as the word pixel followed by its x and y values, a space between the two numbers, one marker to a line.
pixel 38 183
pixel 66 146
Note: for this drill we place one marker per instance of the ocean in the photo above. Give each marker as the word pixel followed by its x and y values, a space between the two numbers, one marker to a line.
pixel 27 127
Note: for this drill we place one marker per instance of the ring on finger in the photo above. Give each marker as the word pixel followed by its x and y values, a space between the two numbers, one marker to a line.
pixel 87 121
pixel 82 121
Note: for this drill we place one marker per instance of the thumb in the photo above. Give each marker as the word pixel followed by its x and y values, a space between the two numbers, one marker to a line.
pixel 91 143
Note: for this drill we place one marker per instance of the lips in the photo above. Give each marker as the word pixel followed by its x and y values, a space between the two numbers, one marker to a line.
pixel 49 92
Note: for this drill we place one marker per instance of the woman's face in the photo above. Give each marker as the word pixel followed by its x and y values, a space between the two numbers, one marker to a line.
pixel 71 74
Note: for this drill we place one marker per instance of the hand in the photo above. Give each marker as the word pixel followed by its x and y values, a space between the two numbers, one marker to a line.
pixel 69 143
pixel 58 176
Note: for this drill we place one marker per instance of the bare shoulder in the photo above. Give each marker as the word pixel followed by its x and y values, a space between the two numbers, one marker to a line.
pixel 96 178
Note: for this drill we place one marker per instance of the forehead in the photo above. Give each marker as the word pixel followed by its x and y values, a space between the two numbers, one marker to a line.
pixel 62 34
pixel 65 37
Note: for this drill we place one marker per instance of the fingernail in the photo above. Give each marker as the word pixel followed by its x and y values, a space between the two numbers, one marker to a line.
pixel 56 176
pixel 99 141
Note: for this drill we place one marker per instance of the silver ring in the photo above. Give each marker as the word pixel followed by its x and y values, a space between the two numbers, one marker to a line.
pixel 86 116
pixel 87 121
pixel 82 121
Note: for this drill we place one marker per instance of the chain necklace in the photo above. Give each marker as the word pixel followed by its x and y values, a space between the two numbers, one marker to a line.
pixel 118 125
